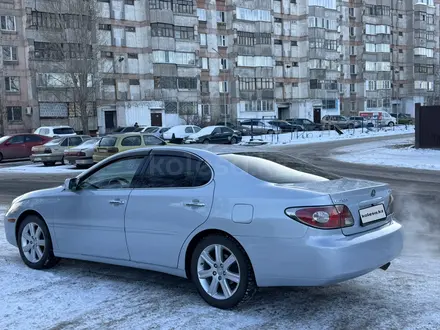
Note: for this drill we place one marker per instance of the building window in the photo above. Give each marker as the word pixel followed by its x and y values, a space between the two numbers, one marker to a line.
pixel 206 111
pixel 130 29
pixel 377 10
pixel 188 108
pixel 351 12
pixel 352 50
pixel 183 6
pixel 352 31
pixel 372 103
pixel 165 82
pixel 108 82
pixel 223 87
pixel 246 38
pixel 161 4
pixel 132 56
pixel 329 104
pixel 247 84
pixel 222 41
pixel 184 32
pixel 10 54
pixel 187 83
pixel 7 23
pixel 203 40
pixel 278 63
pixel 264 39
pixel 14 113
pixel 205 63
pixel 277 42
pixel 105 27
pixel 352 106
pixel 12 84
pixel 352 88
pixel 129 2
pixel 223 64
pixel 295 84
pixel 352 69
pixel 251 84
pixel 201 14
pixel 204 87
pixel 253 15
pixel 221 17
pixel 170 107
pixel 294 43
pixel 265 105
pixel 134 82
pixel 277 20
pixel 162 30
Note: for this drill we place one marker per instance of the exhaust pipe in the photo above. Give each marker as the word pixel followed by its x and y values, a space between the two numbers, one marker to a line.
pixel 386 266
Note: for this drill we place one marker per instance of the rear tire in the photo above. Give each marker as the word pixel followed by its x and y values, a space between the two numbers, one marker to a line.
pixel 49 163
pixel 233 140
pixel 1 156
pixel 205 141
pixel 222 272
pixel 390 124
pixel 35 244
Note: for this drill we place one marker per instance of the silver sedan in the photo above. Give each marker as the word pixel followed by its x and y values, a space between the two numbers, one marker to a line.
pixel 230 222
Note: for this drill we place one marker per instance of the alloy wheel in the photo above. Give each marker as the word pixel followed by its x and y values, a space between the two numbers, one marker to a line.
pixel 218 271
pixel 33 242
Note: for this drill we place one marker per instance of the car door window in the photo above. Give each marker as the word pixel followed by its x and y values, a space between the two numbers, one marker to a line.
pixel 19 139
pixel 196 129
pixel 116 175
pixel 188 130
pixel 226 130
pixel 216 130
pixel 177 170
pixel 131 141
pixel 75 141
pixel 65 143
pixel 151 140
pixel 32 139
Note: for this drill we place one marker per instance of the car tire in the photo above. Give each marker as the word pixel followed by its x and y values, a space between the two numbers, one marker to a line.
pixel 233 140
pixel 49 163
pixel 35 244
pixel 270 131
pixel 205 141
pixel 390 124
pixel 236 281
pixel 1 156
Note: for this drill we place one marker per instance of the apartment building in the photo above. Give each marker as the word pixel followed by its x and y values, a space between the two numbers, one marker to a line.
pixel 15 101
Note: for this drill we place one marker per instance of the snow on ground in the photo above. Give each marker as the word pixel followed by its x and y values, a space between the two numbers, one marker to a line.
pixel 41 169
pixel 83 295
pixel 326 136
pixel 397 153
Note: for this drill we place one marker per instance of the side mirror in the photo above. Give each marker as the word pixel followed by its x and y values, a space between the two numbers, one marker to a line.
pixel 71 184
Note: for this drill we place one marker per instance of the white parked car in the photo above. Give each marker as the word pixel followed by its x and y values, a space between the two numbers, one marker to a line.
pixel 381 118
pixel 180 132
pixel 55 131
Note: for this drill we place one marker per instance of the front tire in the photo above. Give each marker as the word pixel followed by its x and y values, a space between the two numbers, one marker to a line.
pixel 1 156
pixel 35 244
pixel 222 272
pixel 233 140
pixel 390 124
pixel 205 141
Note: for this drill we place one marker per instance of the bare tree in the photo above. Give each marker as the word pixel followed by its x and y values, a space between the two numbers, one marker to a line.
pixel 190 116
pixel 75 47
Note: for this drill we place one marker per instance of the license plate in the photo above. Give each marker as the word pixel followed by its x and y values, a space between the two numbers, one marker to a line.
pixel 372 214
pixel 37 159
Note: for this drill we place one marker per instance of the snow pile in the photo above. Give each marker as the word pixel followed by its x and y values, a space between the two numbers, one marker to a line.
pixel 326 136
pixel 396 153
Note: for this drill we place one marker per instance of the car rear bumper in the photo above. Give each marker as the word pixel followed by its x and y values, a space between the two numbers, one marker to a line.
pixel 41 158
pixel 74 160
pixel 316 260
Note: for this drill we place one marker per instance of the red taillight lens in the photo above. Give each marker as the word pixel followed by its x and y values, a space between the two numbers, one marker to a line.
pixel 323 217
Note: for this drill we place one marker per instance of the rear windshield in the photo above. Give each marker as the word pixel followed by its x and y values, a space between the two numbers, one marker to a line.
pixel 151 129
pixel 107 142
pixel 278 168
pixel 64 130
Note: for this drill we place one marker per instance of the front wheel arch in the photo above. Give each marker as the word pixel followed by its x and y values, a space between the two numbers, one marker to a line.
pixel 197 238
pixel 23 216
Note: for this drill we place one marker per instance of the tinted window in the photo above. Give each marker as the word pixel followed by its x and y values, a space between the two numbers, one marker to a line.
pixel 17 139
pixel 65 143
pixel 64 130
pixel 278 168
pixel 216 130
pixel 188 130
pixel 33 138
pixel 226 130
pixel 163 130
pixel 151 140
pixel 129 129
pixel 116 175
pixel 75 141
pixel 131 141
pixel 171 171
pixel 107 142
pixel 196 129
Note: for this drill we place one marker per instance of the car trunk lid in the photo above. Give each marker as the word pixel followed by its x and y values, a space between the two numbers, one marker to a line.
pixel 368 201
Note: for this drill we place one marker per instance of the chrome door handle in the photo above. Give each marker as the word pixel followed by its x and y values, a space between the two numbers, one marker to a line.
pixel 195 203
pixel 116 202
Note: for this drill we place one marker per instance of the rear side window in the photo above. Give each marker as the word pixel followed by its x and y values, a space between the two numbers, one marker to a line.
pixel 151 140
pixel 107 142
pixel 131 141
pixel 188 130
pixel 175 171
pixel 32 138
pixel 64 130
pixel 75 141
pixel 278 168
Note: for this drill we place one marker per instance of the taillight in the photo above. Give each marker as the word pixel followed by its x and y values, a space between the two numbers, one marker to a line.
pixel 323 217
pixel 390 208
pixel 113 149
pixel 81 154
pixel 47 151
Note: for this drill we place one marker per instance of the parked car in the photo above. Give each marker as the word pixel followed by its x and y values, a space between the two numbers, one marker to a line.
pixel 52 152
pixel 18 146
pixel 154 130
pixel 215 134
pixel 125 129
pixel 366 122
pixel 339 121
pixel 403 118
pixel 115 143
pixel 82 155
pixel 305 123
pixel 55 131
pixel 230 222
pixel 259 126
pixel 284 126
pixel 180 132
pixel 381 118
pixel 243 130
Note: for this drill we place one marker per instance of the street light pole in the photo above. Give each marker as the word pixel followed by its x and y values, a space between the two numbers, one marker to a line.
pixel 224 89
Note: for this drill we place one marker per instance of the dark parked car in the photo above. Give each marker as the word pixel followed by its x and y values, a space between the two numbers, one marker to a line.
pixel 127 129
pixel 305 123
pixel 20 145
pixel 243 130
pixel 285 126
pixel 215 134
pixel 403 118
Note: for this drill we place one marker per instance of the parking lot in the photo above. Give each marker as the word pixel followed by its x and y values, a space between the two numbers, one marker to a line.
pixel 84 295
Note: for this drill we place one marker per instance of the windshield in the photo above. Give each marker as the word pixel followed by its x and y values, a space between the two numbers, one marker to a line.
pixel 206 131
pixel 151 130
pixel 109 141
pixel 4 138
pixel 278 168
pixel 63 130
